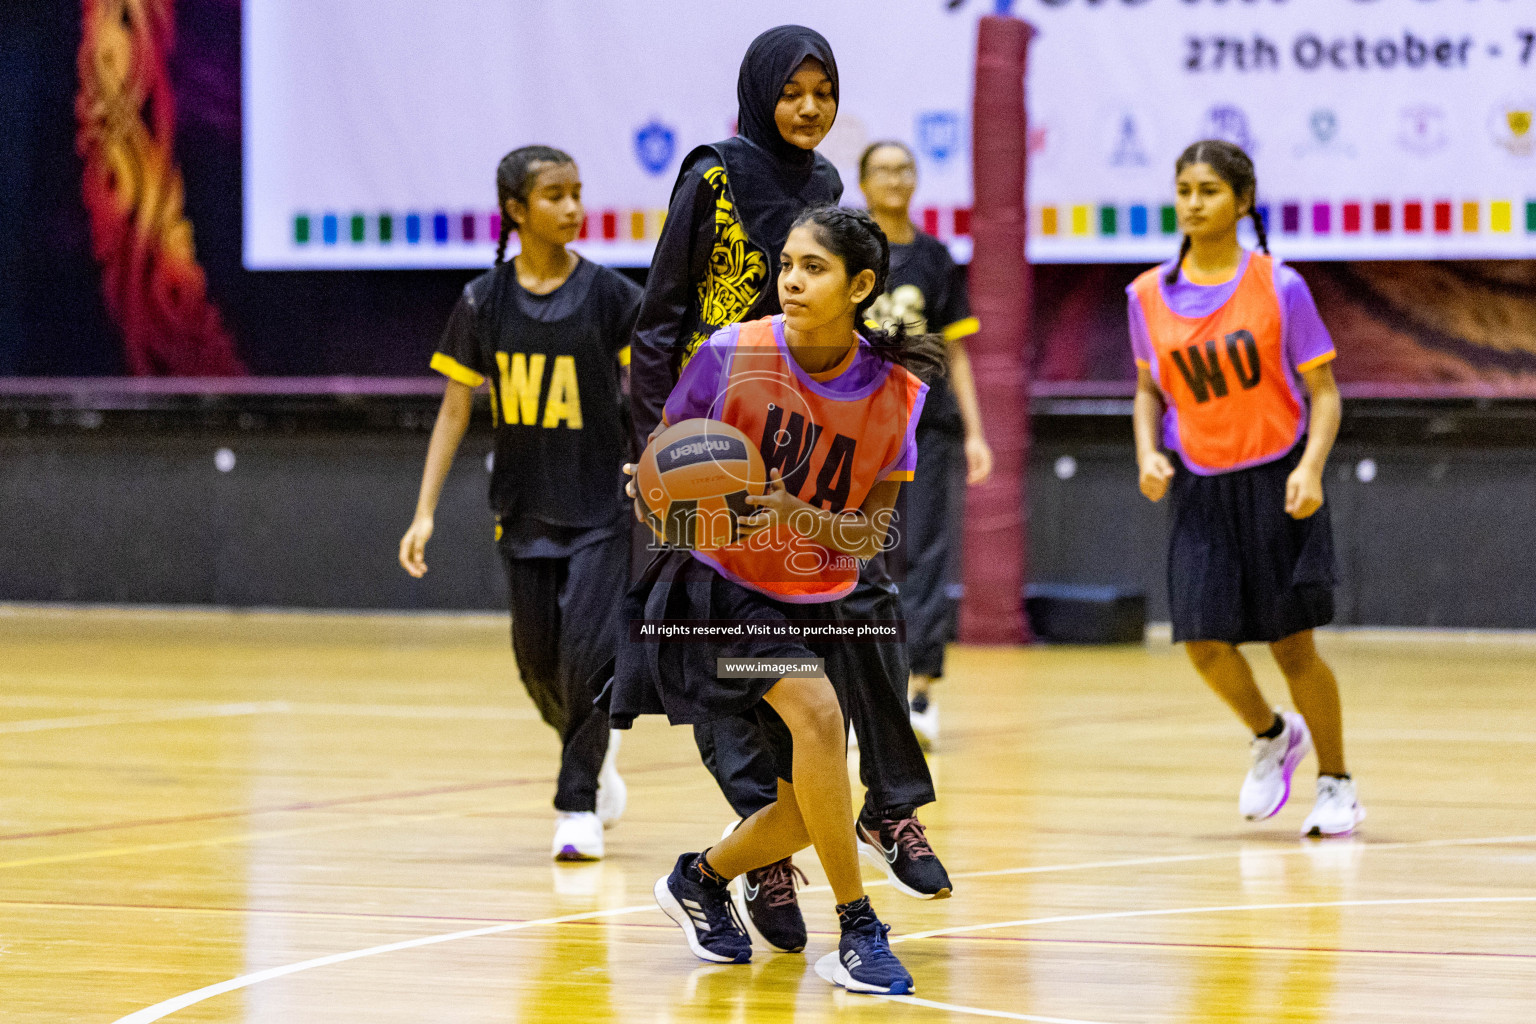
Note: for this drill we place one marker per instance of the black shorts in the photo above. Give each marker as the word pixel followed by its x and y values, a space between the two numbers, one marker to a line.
pixel 679 679
pixel 1240 570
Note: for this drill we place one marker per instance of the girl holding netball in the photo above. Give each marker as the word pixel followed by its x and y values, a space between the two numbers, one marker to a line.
pixel 926 288
pixel 776 379
pixel 1234 379
pixel 716 264
pixel 549 332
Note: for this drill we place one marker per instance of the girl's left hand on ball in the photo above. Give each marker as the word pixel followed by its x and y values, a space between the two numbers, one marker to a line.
pixel 1303 492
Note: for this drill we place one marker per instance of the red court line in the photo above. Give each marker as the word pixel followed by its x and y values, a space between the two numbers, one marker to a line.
pixel 308 805
pixel 311 805
pixel 260 911
pixel 456 919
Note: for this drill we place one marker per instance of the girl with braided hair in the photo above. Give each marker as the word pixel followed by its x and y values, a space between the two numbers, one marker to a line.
pixel 716 265
pixel 548 332
pixel 834 407
pixel 1234 378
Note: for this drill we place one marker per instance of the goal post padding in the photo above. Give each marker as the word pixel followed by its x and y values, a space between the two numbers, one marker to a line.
pixel 997 516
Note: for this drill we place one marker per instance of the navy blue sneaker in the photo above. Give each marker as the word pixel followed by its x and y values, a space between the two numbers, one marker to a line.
pixel 864 963
pixel 705 914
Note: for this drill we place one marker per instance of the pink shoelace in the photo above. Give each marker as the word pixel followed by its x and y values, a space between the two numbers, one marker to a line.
pixel 909 835
pixel 777 882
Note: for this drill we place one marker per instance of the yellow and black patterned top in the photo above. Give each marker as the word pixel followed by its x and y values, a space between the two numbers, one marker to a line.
pixel 716 263
pixel 738 270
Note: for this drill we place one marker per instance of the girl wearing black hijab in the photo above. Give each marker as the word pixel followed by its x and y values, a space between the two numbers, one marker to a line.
pixel 716 264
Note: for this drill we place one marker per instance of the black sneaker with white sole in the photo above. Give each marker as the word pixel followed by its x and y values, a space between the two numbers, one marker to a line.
pixel 766 898
pixel 705 914
pixel 899 847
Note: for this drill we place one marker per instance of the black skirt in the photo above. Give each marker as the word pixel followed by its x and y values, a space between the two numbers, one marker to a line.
pixel 1240 570
pixel 679 679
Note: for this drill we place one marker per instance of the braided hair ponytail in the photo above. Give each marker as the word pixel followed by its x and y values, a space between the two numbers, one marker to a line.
pixel 853 237
pixel 514 178
pixel 1232 166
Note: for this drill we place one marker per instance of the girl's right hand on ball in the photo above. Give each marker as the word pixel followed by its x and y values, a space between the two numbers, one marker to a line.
pixel 1156 474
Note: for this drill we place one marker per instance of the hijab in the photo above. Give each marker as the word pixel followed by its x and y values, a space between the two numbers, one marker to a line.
pixel 771 180
pixel 771 61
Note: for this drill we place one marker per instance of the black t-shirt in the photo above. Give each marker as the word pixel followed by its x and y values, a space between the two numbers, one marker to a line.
pixel 927 292
pixel 553 363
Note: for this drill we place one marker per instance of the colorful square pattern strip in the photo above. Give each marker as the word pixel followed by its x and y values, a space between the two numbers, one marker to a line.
pixel 470 227
pixel 1319 218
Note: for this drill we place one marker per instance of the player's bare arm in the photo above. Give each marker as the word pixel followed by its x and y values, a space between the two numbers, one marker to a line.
pixel 447 432
pixel 1155 470
pixel 1304 487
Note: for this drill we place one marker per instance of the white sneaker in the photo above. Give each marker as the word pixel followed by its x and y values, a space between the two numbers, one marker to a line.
pixel 1337 810
pixel 578 836
pixel 1268 785
pixel 925 722
pixel 612 794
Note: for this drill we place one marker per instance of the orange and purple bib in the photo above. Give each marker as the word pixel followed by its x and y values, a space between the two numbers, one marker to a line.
pixel 1228 359
pixel 832 436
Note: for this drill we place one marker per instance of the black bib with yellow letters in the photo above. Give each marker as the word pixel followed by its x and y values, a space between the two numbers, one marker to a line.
pixel 553 366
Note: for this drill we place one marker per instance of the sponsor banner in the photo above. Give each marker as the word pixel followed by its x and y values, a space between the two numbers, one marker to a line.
pixel 1381 129
pixel 373 127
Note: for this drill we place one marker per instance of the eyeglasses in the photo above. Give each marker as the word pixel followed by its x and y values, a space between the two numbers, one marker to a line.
pixel 906 172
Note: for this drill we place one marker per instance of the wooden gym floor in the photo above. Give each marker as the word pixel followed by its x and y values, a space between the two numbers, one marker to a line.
pixel 294 819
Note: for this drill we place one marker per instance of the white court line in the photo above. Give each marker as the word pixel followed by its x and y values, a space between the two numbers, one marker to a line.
pixel 977 1011
pixel 1190 858
pixel 476 712
pixel 142 717
pixel 164 1009
pixel 1111 915
pixel 1436 736
pixel 170 713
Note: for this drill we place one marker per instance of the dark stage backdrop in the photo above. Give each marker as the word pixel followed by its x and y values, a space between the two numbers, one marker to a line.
pixel 120 242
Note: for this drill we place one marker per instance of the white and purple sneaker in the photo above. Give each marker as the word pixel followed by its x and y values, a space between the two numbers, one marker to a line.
pixel 1337 811
pixel 1268 785
pixel 578 836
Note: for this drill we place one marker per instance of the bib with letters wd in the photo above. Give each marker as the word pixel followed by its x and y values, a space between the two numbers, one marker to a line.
pixel 1229 374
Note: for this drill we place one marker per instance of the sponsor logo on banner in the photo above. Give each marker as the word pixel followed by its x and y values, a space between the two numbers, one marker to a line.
pixel 1512 127
pixel 655 145
pixel 1422 129
pixel 1324 134
pixel 938 134
pixel 1230 123
pixel 1127 141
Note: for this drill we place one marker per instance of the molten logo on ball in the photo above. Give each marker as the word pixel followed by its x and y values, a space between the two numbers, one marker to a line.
pixel 694 479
